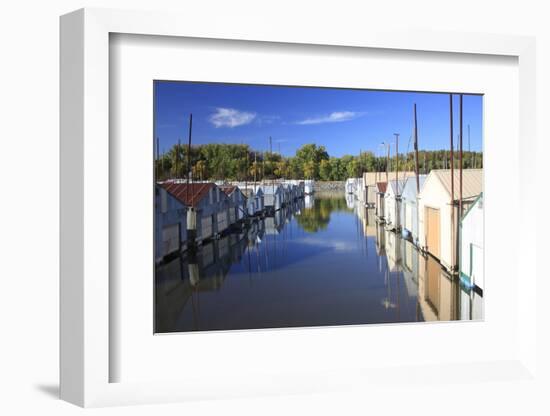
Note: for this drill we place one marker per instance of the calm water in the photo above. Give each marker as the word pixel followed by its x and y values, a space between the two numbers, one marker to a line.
pixel 323 261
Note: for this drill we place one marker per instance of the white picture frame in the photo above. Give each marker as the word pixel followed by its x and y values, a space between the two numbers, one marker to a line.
pixel 85 211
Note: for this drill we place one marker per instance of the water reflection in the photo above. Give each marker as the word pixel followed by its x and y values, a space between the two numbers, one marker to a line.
pixel 322 261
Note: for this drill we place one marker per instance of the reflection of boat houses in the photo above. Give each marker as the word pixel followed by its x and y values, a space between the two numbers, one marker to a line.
pixel 237 200
pixel 437 291
pixel 300 191
pixel 366 215
pixel 209 203
pixel 181 280
pixel 409 207
pixel 288 193
pixel 380 240
pixel 355 186
pixel 471 244
pixel 170 224
pixel 309 186
pixel 392 204
pixel 438 234
pixel 380 193
pixel 409 266
pixel 350 201
pixel 393 251
pixel 273 196
pixel 274 224
pixel 351 185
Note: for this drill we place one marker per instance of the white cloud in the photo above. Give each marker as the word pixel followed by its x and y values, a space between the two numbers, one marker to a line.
pixel 229 117
pixel 334 117
pixel 336 245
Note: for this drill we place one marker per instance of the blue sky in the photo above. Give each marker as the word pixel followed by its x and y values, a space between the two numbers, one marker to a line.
pixel 344 121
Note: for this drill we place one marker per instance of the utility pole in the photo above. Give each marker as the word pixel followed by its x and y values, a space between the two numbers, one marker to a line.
pixel 255 168
pixel 270 147
pixel 459 219
pixel 387 162
pixel 246 173
pixel 396 161
pixel 157 173
pixel 470 149
pixel 452 181
pixel 189 153
pixel 416 151
pixel 460 163
pixel 177 159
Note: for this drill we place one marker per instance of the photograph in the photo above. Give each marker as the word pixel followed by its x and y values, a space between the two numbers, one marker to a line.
pixel 282 206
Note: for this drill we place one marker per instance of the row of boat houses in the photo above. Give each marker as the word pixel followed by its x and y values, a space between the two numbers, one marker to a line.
pixel 187 214
pixel 426 213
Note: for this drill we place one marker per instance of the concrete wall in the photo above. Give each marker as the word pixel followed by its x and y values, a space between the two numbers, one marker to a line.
pixel 329 186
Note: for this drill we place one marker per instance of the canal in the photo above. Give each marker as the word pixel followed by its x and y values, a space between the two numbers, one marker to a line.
pixel 322 261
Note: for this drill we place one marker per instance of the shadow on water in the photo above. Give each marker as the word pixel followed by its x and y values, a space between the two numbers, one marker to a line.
pixel 323 261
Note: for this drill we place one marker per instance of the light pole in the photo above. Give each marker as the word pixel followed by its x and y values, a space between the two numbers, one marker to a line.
pixel 387 145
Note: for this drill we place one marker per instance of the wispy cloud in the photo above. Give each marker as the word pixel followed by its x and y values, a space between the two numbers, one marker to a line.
pixel 266 119
pixel 335 117
pixel 229 117
pixel 336 245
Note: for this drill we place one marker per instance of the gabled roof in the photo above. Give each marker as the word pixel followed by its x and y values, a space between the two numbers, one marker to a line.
pixel 381 187
pixel 409 190
pixel 472 181
pixel 228 189
pixel 396 187
pixel 188 194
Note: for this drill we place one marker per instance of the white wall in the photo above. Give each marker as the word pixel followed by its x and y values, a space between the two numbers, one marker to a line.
pixel 472 235
pixel 29 174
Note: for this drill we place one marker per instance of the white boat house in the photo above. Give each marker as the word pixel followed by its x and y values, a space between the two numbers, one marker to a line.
pixel 409 207
pixel 237 208
pixel 273 196
pixel 381 188
pixel 207 207
pixel 393 204
pixel 438 214
pixel 170 224
pixel 471 244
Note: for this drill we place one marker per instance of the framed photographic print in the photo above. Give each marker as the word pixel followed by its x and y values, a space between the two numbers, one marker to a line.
pixel 256 226
pixel 287 213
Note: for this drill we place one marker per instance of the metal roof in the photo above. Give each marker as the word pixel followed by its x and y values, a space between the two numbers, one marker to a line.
pixel 188 194
pixel 381 187
pixel 409 191
pixel 472 181
pixel 397 186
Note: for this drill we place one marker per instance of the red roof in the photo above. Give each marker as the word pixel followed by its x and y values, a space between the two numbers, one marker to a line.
pixel 381 186
pixel 189 195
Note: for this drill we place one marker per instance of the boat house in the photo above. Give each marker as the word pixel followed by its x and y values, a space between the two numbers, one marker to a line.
pixel 207 208
pixel 471 244
pixel 409 208
pixel 392 204
pixel 170 224
pixel 380 201
pixel 438 215
pixel 237 203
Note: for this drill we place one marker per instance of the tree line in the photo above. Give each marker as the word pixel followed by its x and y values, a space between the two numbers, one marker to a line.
pixel 239 162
